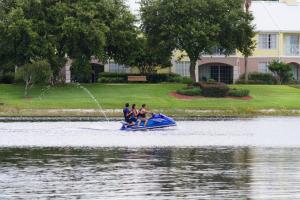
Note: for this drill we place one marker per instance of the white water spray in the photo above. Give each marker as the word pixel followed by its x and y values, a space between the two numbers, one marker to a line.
pixel 94 99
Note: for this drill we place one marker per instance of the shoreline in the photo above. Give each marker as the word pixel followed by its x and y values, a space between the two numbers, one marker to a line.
pixel 56 115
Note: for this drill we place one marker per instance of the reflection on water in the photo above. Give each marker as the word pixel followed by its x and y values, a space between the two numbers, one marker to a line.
pixel 161 173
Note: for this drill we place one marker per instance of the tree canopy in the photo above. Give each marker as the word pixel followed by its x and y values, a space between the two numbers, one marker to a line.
pixel 194 26
pixel 42 29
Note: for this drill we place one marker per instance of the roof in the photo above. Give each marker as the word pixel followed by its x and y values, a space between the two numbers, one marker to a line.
pixel 272 16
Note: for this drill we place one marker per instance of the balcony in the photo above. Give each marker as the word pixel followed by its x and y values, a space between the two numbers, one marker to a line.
pixel 217 52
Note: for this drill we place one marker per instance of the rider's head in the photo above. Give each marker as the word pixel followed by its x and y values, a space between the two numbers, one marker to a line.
pixel 144 106
pixel 127 105
pixel 133 106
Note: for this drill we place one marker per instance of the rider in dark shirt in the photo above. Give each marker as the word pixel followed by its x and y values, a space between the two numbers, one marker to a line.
pixel 126 113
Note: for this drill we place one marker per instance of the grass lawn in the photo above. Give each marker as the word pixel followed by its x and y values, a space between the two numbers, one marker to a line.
pixel 157 96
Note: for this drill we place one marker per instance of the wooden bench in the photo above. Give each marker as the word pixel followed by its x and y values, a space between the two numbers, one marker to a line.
pixel 137 79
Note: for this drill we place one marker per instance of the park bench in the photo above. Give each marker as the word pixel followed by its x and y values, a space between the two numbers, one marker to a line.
pixel 137 79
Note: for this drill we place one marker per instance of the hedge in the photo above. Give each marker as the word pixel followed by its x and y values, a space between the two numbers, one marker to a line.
pixel 107 77
pixel 238 92
pixel 7 78
pixel 214 89
pixel 258 78
pixel 190 91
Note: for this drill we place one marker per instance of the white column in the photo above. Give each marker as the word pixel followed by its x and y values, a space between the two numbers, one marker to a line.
pixel 106 66
pixel 236 73
pixel 68 71
pixel 197 71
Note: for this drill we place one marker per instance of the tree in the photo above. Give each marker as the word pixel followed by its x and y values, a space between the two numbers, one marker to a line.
pixel 51 30
pixel 32 73
pixel 281 70
pixel 246 44
pixel 148 58
pixel 193 26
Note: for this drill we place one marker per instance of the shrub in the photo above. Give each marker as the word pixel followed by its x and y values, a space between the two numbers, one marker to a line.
pixel 238 92
pixel 258 78
pixel 113 75
pixel 211 81
pixel 7 78
pixel 32 73
pixel 186 80
pixel 158 78
pixel 214 90
pixel 282 71
pixel 190 91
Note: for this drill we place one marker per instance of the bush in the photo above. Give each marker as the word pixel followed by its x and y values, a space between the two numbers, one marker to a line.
pixel 7 78
pixel 159 78
pixel 282 71
pixel 190 91
pixel 112 80
pixel 214 90
pixel 258 78
pixel 186 80
pixel 238 92
pixel 32 73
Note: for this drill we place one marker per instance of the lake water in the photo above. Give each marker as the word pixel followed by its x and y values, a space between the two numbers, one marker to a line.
pixel 232 159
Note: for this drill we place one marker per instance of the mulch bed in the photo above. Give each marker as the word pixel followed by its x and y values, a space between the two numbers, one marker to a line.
pixel 185 97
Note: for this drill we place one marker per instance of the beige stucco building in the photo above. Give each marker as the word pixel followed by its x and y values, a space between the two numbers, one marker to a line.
pixel 278 34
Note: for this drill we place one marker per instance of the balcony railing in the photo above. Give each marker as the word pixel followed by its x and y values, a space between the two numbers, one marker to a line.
pixel 293 50
pixel 217 52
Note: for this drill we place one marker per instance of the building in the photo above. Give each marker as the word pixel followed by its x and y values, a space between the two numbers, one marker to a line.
pixel 278 32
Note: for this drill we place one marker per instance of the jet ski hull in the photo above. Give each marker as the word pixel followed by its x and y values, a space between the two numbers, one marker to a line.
pixel 157 121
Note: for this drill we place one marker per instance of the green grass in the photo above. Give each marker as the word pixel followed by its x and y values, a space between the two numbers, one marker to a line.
pixel 113 96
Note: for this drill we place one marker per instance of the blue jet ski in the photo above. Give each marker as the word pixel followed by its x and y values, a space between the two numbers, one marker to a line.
pixel 157 121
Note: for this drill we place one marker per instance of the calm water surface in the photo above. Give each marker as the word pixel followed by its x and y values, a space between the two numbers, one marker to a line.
pixel 243 159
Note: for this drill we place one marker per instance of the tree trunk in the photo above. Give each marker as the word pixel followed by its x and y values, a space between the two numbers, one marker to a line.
pixel 192 69
pixel 246 70
pixel 26 89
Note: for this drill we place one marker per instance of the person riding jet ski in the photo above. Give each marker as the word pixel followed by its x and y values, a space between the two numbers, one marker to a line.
pixel 142 115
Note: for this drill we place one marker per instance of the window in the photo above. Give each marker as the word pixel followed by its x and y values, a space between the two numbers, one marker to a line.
pixel 263 67
pixel 267 41
pixel 182 68
pixel 292 45
pixel 117 68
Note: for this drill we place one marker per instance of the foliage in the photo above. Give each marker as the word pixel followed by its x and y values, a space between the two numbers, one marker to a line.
pixel 42 29
pixel 282 71
pixel 194 91
pixel 81 70
pixel 7 77
pixel 238 92
pixel 187 80
pixel 194 26
pixel 214 90
pixel 148 58
pixel 258 78
pixel 36 72
pixel 246 44
pixel 107 77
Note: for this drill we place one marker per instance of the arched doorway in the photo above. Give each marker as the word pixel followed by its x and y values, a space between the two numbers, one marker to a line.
pixel 295 71
pixel 218 71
